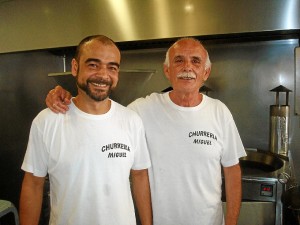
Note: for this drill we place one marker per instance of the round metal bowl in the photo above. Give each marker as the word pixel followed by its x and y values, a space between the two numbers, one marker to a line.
pixel 261 161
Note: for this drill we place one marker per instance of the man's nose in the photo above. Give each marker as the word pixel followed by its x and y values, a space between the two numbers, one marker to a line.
pixel 103 69
pixel 187 66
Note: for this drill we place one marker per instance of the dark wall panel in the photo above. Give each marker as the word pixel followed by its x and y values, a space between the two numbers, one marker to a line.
pixel 24 83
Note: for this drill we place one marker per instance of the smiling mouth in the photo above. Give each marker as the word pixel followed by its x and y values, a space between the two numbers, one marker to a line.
pixel 99 84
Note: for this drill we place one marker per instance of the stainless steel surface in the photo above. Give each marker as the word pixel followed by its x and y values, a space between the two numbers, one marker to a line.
pixel 261 187
pixel 279 129
pixel 35 24
pixel 297 80
pixel 280 123
pixel 131 84
pixel 256 213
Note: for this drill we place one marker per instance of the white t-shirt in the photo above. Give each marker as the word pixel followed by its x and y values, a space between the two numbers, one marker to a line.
pixel 88 159
pixel 188 146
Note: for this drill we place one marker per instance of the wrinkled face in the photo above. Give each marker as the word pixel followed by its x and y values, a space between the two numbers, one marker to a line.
pixel 97 71
pixel 186 70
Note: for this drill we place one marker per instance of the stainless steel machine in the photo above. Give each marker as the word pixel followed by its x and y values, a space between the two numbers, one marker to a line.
pixel 279 123
pixel 263 177
pixel 266 173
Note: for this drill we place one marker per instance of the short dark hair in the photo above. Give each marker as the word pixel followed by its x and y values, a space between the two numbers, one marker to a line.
pixel 101 38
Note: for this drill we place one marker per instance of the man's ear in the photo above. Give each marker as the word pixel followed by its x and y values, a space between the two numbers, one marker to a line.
pixel 74 67
pixel 166 71
pixel 207 73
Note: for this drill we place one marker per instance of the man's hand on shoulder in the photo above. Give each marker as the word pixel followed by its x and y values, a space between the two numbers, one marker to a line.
pixel 58 100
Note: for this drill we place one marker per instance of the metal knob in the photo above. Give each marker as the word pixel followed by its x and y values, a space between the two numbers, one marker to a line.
pixel 283 177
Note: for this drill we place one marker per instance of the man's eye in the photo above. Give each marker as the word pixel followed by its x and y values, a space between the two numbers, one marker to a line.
pixel 92 65
pixel 195 61
pixel 113 68
pixel 178 60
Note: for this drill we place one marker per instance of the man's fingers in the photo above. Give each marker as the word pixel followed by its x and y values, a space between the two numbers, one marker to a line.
pixel 59 107
pixel 65 95
pixel 58 100
pixel 67 101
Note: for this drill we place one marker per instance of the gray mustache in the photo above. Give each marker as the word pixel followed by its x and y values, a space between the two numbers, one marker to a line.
pixel 186 75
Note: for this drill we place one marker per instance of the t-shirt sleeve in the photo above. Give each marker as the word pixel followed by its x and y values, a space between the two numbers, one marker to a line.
pixel 35 160
pixel 233 147
pixel 141 157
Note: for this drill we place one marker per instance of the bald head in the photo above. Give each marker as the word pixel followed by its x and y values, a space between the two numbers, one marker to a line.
pixel 187 41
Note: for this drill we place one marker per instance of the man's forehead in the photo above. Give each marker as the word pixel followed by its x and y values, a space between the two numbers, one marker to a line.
pixel 188 52
pixel 101 51
pixel 91 46
pixel 189 48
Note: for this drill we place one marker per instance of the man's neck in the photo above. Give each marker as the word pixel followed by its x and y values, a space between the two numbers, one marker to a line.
pixel 186 99
pixel 91 106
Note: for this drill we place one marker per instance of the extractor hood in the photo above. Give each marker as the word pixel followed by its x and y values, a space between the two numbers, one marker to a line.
pixel 35 24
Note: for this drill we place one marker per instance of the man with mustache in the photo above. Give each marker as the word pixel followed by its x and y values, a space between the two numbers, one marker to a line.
pixel 89 152
pixel 191 138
